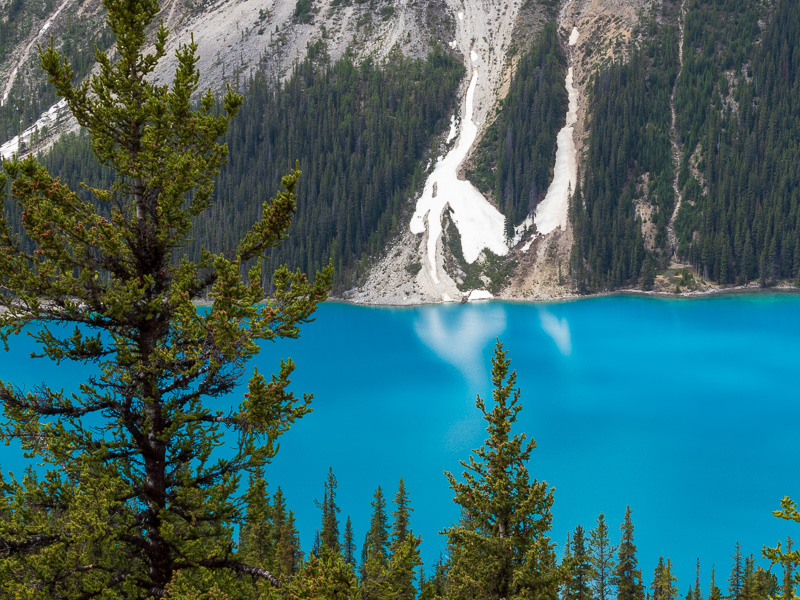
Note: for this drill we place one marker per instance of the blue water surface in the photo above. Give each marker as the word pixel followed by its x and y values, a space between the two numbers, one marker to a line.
pixel 686 410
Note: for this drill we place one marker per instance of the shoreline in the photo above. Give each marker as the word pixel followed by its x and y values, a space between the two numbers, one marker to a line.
pixel 740 290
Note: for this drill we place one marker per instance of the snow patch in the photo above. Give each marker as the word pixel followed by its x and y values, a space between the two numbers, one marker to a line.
pixel 573 36
pixel 460 16
pixel 480 224
pixel 551 212
pixel 49 118
pixel 453 44
pixel 479 295
pixel 473 55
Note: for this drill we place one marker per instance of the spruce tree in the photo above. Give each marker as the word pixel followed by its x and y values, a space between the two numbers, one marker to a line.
pixel 627 576
pixel 663 586
pixel 400 527
pixel 736 579
pixel 375 551
pixel 788 581
pixel 349 545
pixel 603 563
pixel 697 594
pixel 256 541
pixel 329 536
pixel 134 494
pixel 288 556
pixel 501 548
pixel 580 575
pixel 714 593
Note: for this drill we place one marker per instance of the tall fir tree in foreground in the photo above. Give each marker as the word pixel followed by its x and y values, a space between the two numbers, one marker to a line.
pixel 132 492
pixel 627 575
pixel 501 548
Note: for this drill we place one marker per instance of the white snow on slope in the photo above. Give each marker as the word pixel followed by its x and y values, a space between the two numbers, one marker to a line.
pixel 49 118
pixel 551 212
pixel 480 224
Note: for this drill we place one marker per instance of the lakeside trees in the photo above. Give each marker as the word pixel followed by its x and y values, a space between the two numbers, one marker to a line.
pixel 132 494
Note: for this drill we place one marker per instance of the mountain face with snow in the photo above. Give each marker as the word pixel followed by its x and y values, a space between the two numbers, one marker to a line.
pixel 569 157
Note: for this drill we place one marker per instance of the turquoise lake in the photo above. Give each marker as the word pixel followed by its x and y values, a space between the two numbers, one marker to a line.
pixel 686 410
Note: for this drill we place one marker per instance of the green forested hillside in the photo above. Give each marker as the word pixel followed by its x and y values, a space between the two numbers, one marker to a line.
pixel 739 116
pixel 515 157
pixel 359 133
pixel 627 160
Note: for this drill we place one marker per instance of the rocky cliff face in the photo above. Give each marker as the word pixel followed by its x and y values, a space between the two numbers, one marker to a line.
pixel 238 37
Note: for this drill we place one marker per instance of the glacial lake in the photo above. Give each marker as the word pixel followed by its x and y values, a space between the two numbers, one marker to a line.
pixel 686 410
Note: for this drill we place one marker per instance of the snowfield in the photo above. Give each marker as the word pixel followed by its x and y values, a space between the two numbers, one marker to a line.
pixel 552 212
pixel 480 224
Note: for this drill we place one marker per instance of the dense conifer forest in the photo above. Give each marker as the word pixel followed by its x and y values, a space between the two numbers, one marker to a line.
pixel 738 103
pixel 628 162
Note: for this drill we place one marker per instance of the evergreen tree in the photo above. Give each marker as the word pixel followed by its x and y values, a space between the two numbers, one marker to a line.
pixel 603 563
pixel 433 588
pixel 790 559
pixel 288 556
pixel 566 561
pixel 736 579
pixel 714 593
pixel 401 527
pixel 697 594
pixel 349 545
pixel 134 494
pixel 663 586
pixel 788 581
pixel 256 538
pixel 329 537
pixel 375 551
pixel 325 577
pixel 581 572
pixel 502 549
pixel 627 576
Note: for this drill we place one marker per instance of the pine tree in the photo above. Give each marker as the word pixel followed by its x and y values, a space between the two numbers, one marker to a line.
pixel 135 496
pixel 288 556
pixel 714 593
pixel 400 527
pixel 349 545
pixel 788 581
pixel 627 576
pixel 790 559
pixel 501 546
pixel 256 541
pixel 581 572
pixel 736 579
pixel 663 586
pixel 697 594
pixel 329 536
pixel 375 551
pixel 603 563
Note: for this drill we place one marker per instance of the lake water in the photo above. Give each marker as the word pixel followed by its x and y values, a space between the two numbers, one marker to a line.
pixel 685 409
